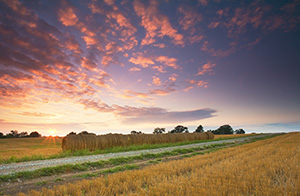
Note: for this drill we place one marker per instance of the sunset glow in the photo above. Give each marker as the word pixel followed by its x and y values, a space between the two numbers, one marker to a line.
pixel 116 66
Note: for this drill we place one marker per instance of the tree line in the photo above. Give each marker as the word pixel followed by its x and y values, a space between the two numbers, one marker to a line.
pixel 224 129
pixel 16 134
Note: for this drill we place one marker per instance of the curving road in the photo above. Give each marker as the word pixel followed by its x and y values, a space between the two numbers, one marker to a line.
pixel 33 165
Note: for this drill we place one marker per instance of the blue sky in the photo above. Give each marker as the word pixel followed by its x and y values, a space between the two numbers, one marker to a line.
pixel 116 66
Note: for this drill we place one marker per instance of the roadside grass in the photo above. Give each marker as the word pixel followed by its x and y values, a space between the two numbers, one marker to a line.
pixel 60 154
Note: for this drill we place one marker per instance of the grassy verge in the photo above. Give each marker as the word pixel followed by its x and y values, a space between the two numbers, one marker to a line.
pixel 109 150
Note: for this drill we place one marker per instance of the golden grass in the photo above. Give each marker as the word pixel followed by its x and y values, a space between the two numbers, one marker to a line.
pixel 266 167
pixel 20 147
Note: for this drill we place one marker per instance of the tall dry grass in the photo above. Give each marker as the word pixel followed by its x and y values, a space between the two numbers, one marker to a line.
pixel 267 167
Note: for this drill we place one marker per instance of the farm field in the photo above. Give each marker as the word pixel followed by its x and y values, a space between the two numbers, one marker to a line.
pixel 265 167
pixel 35 148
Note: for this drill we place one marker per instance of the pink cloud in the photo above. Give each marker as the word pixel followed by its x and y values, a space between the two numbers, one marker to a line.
pixel 89 40
pixel 156 81
pixel 206 68
pixel 140 60
pixel 87 63
pixel 159 69
pixel 133 94
pixel 190 18
pixel 173 77
pixel 67 16
pixel 203 2
pixel 134 69
pixel 155 24
pixel 171 62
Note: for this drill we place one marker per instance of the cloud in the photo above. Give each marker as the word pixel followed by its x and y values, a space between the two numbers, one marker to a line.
pixel 203 2
pixel 206 68
pixel 159 115
pixel 134 69
pixel 67 16
pixel 140 60
pixel 133 94
pixel 171 62
pixel 155 23
pixel 190 18
pixel 156 81
pixel 36 114
pixel 195 83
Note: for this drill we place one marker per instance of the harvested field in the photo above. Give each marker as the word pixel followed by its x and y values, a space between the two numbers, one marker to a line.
pixel 267 167
pixel 93 142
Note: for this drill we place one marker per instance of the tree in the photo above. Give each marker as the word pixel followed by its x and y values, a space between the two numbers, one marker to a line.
pixel 71 133
pixel 23 134
pixel 12 134
pixel 180 129
pixel 224 129
pixel 1 135
pixel 159 130
pixel 86 133
pixel 35 134
pixel 135 132
pixel 199 129
pixel 239 131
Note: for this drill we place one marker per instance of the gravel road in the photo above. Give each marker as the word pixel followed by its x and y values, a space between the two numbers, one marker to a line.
pixel 33 165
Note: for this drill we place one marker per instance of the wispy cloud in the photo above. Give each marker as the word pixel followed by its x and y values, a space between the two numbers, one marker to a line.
pixel 36 114
pixel 158 115
pixel 155 23
pixel 206 68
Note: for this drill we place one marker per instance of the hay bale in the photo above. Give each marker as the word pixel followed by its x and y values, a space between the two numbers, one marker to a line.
pixel 93 142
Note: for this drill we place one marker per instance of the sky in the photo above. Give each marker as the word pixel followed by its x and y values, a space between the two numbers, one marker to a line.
pixel 117 66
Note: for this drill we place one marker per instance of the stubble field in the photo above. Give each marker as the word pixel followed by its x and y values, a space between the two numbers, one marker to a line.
pixel 266 167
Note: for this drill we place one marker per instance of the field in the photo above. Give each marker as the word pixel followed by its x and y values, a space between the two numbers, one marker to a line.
pixel 40 148
pixel 20 147
pixel 266 167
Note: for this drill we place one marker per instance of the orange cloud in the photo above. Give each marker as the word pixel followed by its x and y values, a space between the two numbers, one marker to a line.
pixel 159 69
pixel 155 24
pixel 190 18
pixel 67 16
pixel 140 60
pixel 156 81
pixel 173 77
pixel 133 94
pixel 171 62
pixel 89 40
pixel 206 68
pixel 87 63
pixel 134 69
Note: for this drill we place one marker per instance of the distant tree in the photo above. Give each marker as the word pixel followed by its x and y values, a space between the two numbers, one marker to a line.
pixel 35 134
pixel 239 131
pixel 136 132
pixel 224 129
pixel 12 134
pixel 159 130
pixel 86 133
pixel 199 129
pixel 23 134
pixel 180 129
pixel 1 135
pixel 71 133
